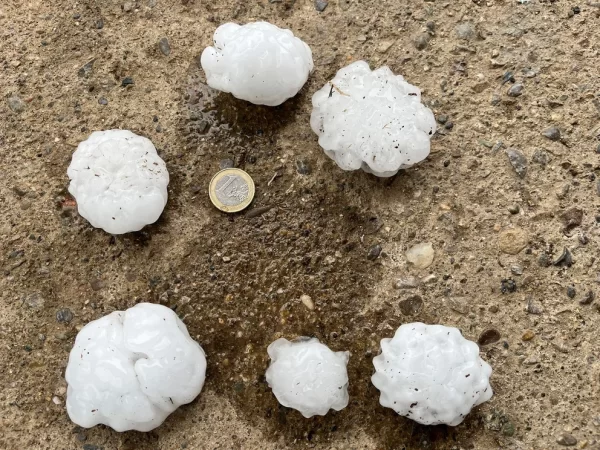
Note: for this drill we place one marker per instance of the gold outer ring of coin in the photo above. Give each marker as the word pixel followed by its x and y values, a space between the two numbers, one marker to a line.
pixel 241 205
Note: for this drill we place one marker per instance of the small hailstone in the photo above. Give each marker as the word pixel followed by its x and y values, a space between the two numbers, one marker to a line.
pixel 307 376
pixel 119 181
pixel 258 62
pixel 131 369
pixel 431 374
pixel 372 120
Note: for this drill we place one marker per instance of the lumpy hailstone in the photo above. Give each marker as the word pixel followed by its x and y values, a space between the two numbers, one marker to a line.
pixel 431 374
pixel 258 62
pixel 119 181
pixel 131 369
pixel 306 375
pixel 372 120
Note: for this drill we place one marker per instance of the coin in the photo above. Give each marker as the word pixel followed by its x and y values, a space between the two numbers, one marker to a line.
pixel 231 190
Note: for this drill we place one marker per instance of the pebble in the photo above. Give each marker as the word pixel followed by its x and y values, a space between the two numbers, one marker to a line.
pixel 92 447
pixel 97 284
pixel 532 308
pixel 552 133
pixel 518 161
pixel 128 6
pixel 588 298
pixel 99 24
pixel 56 400
pixel 421 41
pixel 127 81
pixel 384 46
pixel 86 70
pixel 514 209
pixel 528 335
pixel 598 149
pixel 412 305
pixel 164 46
pixel 568 440
pixel 16 104
pixel 515 90
pixel 407 283
pixel 516 270
pixel 320 5
pixel 572 217
pixel 512 241
pixel 488 337
pixel 102 101
pixel 374 252
pixel 459 304
pixel 466 31
pixel 226 164
pixel 541 157
pixel 307 301
pixel 303 167
pixel 564 259
pixel 64 315
pixel 421 255
pixel 35 300
pixel 508 286
pixel 571 292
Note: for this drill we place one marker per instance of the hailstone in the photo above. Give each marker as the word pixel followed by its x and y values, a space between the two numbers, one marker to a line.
pixel 258 62
pixel 131 369
pixel 372 120
pixel 307 376
pixel 118 180
pixel 431 374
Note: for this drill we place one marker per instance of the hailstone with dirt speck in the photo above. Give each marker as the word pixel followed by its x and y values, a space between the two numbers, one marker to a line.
pixel 431 374
pixel 307 376
pixel 372 120
pixel 258 62
pixel 119 181
pixel 131 369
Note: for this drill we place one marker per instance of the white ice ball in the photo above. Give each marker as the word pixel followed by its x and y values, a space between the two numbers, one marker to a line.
pixel 119 181
pixel 431 374
pixel 307 376
pixel 258 62
pixel 372 120
pixel 131 369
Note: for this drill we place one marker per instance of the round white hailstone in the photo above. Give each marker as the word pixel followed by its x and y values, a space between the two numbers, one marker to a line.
pixel 372 120
pixel 131 369
pixel 119 181
pixel 431 374
pixel 306 375
pixel 258 62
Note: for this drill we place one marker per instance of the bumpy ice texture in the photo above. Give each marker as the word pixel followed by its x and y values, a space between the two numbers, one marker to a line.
pixel 372 120
pixel 119 181
pixel 258 62
pixel 431 374
pixel 306 375
pixel 131 369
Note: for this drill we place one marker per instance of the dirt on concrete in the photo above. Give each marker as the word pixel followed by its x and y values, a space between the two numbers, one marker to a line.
pixel 511 208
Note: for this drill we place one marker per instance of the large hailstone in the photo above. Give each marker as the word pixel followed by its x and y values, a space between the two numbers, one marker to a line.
pixel 431 374
pixel 119 181
pixel 372 120
pixel 258 62
pixel 307 376
pixel 131 369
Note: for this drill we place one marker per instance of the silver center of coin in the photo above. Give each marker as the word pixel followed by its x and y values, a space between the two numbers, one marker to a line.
pixel 231 190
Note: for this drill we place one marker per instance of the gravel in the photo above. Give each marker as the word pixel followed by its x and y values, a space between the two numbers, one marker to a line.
pixel 515 90
pixel 16 104
pixel 64 315
pixel 552 133
pixel 164 46
pixel 518 161
pixel 489 336
pixel 568 440
pixel 320 5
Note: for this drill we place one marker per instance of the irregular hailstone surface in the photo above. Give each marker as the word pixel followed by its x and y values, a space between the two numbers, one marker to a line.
pixel 372 120
pixel 258 62
pixel 306 375
pixel 431 374
pixel 131 369
pixel 119 181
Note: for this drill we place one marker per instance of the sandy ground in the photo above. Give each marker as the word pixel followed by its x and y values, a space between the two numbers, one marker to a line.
pixel 466 199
